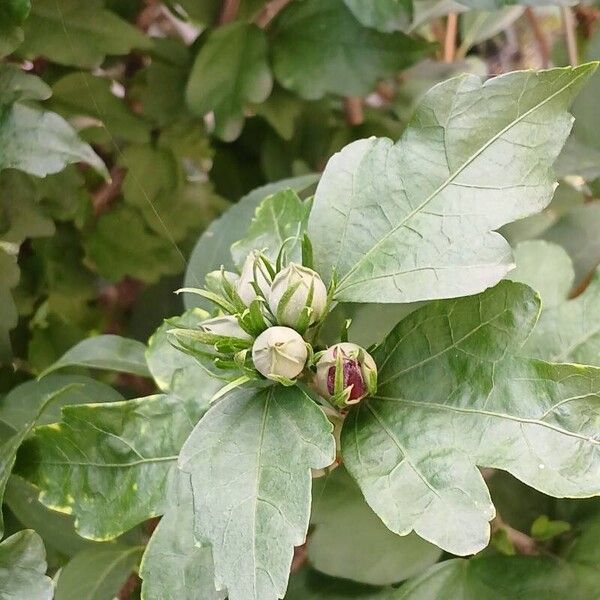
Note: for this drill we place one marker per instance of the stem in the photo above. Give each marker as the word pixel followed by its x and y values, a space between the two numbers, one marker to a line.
pixel 450 38
pixel 103 197
pixel 540 38
pixel 521 541
pixel 353 107
pixel 570 34
pixel 270 11
pixel 229 11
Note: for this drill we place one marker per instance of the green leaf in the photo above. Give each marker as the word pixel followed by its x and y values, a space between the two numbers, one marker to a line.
pixel 9 278
pixel 310 585
pixel 212 249
pixel 256 448
pixel 110 352
pixel 23 568
pixel 56 529
pixel 12 15
pixel 576 231
pixel 477 26
pixel 546 268
pixel 469 145
pixel 452 396
pixel 17 85
pixel 110 464
pixel 544 529
pixel 312 55
pixel 384 15
pixel 80 35
pixel 97 573
pixel 83 94
pixel 175 566
pixel 281 110
pixel 122 245
pixel 279 221
pixel 24 402
pixel 570 331
pixel 41 142
pixel 230 70
pixel 493 578
pixel 9 447
pixel 350 541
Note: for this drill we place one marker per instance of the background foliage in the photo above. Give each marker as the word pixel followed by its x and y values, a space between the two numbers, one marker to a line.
pixel 126 129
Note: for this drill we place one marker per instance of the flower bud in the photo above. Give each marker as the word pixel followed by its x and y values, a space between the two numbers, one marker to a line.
pixel 254 272
pixel 346 373
pixel 226 326
pixel 279 352
pixel 298 296
pixel 215 280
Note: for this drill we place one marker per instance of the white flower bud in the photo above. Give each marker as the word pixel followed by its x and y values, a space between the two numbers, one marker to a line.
pixel 253 271
pixel 279 351
pixel 293 290
pixel 357 378
pixel 214 280
pixel 226 326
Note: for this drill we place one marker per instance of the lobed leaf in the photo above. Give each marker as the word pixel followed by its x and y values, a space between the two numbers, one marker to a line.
pixel 249 459
pixel 453 395
pixel 415 220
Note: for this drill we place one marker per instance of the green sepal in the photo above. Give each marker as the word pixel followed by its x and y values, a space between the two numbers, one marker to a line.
pixel 221 302
pixel 307 252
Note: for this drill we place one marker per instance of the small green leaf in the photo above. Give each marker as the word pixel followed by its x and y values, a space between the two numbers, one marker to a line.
pixel 312 55
pixel 97 573
pixel 570 331
pixel 17 85
pixel 546 268
pixel 256 508
pixel 345 527
pixel 279 222
pixel 230 71
pixel 311 585
pixel 453 395
pixel 75 34
pixel 544 529
pixel 175 566
pixel 9 278
pixel 84 94
pixel 383 15
pixel 23 568
pixel 469 144
pixel 110 464
pixel 110 352
pixel 12 15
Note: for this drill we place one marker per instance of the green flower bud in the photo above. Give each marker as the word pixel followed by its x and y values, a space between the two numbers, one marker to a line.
pixel 298 297
pixel 254 275
pixel 346 373
pixel 279 352
pixel 226 326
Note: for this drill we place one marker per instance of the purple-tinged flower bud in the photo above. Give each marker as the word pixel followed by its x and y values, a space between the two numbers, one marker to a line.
pixel 279 352
pixel 298 296
pixel 346 373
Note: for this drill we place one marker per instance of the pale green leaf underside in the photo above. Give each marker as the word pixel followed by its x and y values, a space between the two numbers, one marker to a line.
pixel 280 218
pixel 110 352
pixel 23 568
pixel 175 566
pixel 256 448
pixel 351 542
pixel 415 220
pixel 110 464
pixel 453 396
pixel 569 332
pixel 97 573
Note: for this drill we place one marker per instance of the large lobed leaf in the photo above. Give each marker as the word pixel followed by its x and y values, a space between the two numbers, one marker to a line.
pixel 250 459
pixel 452 396
pixel 23 568
pixel 415 220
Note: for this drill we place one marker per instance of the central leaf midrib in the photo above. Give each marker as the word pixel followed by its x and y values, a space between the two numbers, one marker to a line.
pixel 450 178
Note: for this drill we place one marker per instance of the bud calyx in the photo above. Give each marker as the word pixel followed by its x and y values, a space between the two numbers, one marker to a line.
pixel 279 353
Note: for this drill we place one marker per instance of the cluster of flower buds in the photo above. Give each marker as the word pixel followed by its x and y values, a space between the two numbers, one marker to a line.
pixel 269 314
